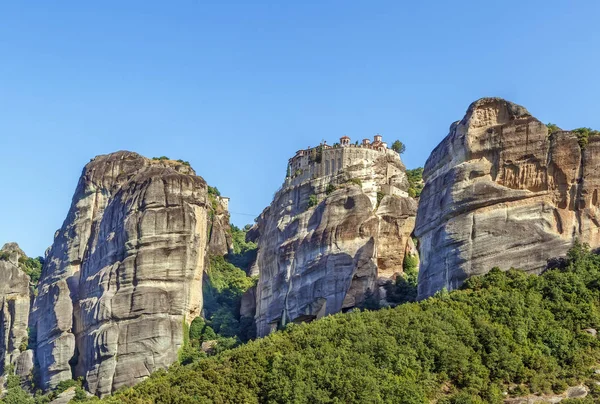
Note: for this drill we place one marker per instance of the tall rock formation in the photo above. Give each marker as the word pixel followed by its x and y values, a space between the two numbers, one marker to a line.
pixel 15 300
pixel 500 191
pixel 336 230
pixel 124 273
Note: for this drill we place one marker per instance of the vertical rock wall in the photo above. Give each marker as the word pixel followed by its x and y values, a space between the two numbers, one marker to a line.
pixel 15 299
pixel 500 191
pixel 314 261
pixel 124 273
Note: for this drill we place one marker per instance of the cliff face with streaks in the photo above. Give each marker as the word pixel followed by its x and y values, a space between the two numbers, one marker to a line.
pixel 501 191
pixel 337 230
pixel 15 301
pixel 124 272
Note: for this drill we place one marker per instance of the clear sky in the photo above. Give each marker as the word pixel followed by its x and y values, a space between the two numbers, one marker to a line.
pixel 237 87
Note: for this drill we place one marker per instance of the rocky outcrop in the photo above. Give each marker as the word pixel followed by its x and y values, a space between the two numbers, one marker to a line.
pixel 322 259
pixel 573 393
pixel 500 191
pixel 15 301
pixel 220 242
pixel 124 273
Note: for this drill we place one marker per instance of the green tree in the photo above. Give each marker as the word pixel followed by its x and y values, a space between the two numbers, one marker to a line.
pixel 583 135
pixel 415 182
pixel 552 128
pixel 398 147
pixel 213 191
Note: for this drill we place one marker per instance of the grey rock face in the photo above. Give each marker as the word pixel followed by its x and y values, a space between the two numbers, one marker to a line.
pixel 124 273
pixel 24 364
pixel 500 191
pixel 15 300
pixel 314 261
pixel 220 242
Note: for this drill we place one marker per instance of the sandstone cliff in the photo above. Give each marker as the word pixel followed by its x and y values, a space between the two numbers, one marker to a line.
pixel 337 229
pixel 15 300
pixel 124 273
pixel 500 191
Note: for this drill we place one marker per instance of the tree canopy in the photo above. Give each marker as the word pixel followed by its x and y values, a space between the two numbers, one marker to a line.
pixel 398 147
pixel 503 334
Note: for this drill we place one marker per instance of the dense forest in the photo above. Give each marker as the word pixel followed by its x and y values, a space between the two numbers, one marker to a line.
pixel 503 334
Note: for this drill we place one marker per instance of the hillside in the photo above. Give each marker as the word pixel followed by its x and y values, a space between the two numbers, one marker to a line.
pixel 503 334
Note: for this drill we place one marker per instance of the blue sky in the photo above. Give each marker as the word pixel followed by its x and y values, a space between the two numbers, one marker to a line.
pixel 237 87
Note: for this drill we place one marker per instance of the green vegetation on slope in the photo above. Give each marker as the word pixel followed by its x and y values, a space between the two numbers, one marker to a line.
pixel 16 395
pixel 404 288
pixel 31 266
pixel 552 128
pixel 225 282
pixel 583 134
pixel 415 182
pixel 503 332
pixel 222 295
pixel 244 252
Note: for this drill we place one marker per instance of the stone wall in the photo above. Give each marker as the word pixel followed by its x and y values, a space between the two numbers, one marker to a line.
pixel 338 158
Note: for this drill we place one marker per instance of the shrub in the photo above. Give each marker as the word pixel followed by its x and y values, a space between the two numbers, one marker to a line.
pixel 415 182
pixel 80 395
pixel 24 344
pixel 312 201
pixel 223 292
pixel 583 135
pixel 67 384
pixel 244 252
pixel 552 128
pixel 12 381
pixel 380 196
pixel 355 181
pixel 316 155
pixel 330 188
pixel 404 288
pixel 16 395
pixel 214 191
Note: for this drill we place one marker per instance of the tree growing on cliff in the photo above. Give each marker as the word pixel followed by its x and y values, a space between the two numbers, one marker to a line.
pixel 398 147
pixel 552 128
pixel 583 135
